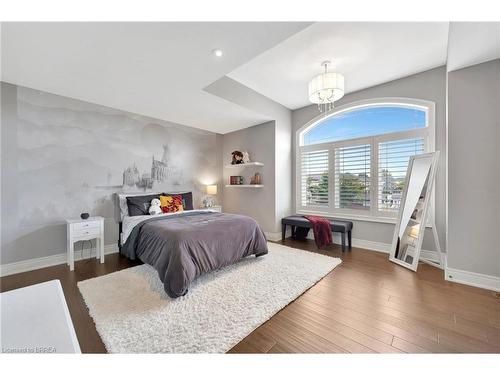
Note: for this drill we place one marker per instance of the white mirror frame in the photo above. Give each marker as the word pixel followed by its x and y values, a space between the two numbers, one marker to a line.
pixel 430 185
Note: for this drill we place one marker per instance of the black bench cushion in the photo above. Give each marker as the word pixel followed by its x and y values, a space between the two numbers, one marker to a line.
pixel 301 221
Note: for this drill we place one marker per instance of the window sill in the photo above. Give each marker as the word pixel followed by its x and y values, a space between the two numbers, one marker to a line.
pixel 344 216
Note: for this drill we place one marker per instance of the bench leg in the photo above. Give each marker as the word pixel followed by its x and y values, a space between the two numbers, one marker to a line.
pixel 342 236
pixel 283 232
pixel 349 239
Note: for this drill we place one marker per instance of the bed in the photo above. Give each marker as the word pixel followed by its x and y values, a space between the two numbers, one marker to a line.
pixel 184 245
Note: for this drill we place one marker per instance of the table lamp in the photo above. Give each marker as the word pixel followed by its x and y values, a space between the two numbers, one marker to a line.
pixel 209 200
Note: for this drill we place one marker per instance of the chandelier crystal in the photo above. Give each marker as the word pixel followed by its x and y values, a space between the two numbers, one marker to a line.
pixel 326 88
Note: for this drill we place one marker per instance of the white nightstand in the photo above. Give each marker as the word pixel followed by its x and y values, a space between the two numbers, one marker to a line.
pixel 83 230
pixel 215 208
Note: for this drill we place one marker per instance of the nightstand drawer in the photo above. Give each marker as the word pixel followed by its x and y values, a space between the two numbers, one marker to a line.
pixel 91 232
pixel 86 225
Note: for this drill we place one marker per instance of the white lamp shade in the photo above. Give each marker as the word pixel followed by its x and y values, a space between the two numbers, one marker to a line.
pixel 212 189
pixel 326 88
pixel 414 231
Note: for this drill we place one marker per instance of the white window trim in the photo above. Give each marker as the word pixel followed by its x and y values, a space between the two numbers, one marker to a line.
pixel 374 215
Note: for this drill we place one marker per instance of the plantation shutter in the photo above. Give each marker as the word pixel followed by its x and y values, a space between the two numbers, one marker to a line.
pixel 352 177
pixel 393 158
pixel 314 178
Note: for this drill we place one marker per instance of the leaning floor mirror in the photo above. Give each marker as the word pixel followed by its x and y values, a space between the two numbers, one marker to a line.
pixel 412 217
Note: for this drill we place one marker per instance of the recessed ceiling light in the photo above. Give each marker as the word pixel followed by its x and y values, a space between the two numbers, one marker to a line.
pixel 217 52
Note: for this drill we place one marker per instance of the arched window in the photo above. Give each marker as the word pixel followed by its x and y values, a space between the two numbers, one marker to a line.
pixel 353 160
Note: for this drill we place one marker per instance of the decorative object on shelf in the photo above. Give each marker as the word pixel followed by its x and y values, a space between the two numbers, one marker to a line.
pixel 155 208
pixel 246 157
pixel 326 88
pixel 84 215
pixel 256 179
pixel 237 157
pixel 236 180
pixel 208 201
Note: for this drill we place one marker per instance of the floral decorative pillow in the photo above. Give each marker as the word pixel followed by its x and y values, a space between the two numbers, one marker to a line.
pixel 171 203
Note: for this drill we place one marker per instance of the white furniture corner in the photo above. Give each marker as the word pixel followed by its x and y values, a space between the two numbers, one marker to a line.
pixel 84 230
pixel 213 208
pixel 36 319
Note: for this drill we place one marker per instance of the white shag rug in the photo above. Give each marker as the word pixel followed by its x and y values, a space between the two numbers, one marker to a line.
pixel 133 314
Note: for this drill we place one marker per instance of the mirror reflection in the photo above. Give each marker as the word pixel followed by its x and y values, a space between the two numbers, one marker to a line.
pixel 410 230
pixel 411 224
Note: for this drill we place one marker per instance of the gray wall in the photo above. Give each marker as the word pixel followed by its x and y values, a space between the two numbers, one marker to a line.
pixel 258 203
pixel 474 168
pixel 61 157
pixel 235 92
pixel 429 85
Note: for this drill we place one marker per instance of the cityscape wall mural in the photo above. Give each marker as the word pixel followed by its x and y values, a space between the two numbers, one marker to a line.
pixel 73 156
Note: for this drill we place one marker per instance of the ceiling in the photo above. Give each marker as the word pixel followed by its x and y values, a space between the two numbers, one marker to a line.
pixel 472 43
pixel 367 53
pixel 163 70
pixel 153 69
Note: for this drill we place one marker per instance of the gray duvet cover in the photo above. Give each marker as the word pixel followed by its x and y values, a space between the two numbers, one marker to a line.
pixel 184 246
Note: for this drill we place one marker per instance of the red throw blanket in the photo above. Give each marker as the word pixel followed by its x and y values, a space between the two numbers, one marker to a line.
pixel 321 230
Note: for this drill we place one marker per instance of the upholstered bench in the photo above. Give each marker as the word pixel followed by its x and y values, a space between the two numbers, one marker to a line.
pixel 297 221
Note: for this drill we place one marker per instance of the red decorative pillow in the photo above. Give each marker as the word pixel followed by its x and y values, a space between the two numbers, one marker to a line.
pixel 171 203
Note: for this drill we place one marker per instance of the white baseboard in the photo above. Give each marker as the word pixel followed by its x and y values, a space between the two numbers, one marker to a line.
pixel 356 242
pixel 273 236
pixel 52 260
pixel 368 245
pixel 429 256
pixel 451 274
pixel 432 256
pixel 472 278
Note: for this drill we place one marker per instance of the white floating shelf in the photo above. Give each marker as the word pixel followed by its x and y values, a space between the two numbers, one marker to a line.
pixel 245 186
pixel 253 163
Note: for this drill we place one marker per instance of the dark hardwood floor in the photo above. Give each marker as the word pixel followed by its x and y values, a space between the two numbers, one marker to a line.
pixel 366 305
pixel 89 339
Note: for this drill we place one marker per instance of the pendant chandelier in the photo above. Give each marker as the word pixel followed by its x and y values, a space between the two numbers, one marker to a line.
pixel 326 88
